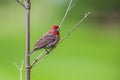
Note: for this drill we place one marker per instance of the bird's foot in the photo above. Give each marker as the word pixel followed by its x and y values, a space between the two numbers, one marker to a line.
pixel 47 51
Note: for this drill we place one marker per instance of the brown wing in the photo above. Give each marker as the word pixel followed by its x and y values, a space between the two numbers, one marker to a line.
pixel 45 40
pixel 53 43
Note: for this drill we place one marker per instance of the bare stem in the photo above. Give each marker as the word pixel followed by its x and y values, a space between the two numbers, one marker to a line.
pixel 68 9
pixel 28 6
pixel 66 35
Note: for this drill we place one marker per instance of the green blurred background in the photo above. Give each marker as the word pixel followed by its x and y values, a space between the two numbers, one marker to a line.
pixel 92 52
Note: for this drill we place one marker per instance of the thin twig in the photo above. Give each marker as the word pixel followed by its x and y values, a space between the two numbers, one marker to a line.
pixel 20 68
pixel 66 35
pixel 68 9
pixel 37 58
pixel 40 56
pixel 74 27
pixel 19 1
pixel 17 66
pixel 71 7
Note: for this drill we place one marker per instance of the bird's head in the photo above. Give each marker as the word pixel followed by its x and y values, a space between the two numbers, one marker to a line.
pixel 55 29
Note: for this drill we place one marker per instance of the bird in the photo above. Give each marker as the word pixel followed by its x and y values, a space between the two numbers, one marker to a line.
pixel 48 40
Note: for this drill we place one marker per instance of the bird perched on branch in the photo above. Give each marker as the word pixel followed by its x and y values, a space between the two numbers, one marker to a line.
pixel 48 40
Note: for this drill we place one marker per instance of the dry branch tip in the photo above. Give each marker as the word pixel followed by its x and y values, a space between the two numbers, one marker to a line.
pixel 20 2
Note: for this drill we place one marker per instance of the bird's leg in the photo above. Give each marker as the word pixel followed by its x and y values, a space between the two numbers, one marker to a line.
pixel 54 46
pixel 47 51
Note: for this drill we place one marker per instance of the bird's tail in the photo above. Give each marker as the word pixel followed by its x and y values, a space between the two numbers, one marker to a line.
pixel 35 49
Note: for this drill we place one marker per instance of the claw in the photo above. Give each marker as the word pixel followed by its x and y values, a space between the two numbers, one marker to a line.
pixel 47 51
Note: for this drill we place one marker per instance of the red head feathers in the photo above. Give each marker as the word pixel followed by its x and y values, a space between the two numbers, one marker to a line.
pixel 55 29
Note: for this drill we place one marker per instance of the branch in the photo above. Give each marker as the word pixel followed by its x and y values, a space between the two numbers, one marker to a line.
pixel 68 9
pixel 28 7
pixel 40 56
pixel 66 35
pixel 19 1
pixel 75 26
pixel 71 7
pixel 20 68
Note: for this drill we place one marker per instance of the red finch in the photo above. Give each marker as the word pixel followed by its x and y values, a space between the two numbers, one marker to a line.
pixel 48 40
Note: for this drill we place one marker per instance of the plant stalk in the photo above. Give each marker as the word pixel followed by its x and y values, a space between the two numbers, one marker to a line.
pixel 27 5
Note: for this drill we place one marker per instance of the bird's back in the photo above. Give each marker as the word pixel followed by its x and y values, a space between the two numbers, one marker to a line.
pixel 45 40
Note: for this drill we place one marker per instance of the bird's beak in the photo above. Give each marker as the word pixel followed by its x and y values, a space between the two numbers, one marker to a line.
pixel 58 29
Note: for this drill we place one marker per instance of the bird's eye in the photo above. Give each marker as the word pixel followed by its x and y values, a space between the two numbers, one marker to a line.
pixel 57 29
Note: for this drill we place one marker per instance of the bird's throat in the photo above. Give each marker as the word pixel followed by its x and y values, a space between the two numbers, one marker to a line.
pixel 56 32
